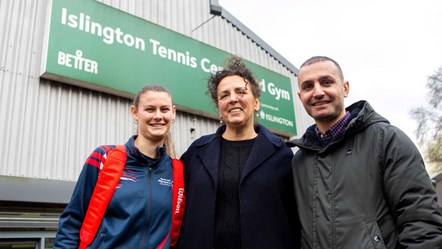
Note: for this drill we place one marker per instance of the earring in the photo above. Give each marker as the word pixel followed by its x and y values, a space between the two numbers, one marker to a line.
pixel 221 120
pixel 135 121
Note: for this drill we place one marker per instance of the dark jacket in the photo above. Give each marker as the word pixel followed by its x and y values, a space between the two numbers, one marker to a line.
pixel 368 188
pixel 139 213
pixel 268 209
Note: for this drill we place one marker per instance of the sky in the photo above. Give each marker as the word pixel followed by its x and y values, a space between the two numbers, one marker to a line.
pixel 386 49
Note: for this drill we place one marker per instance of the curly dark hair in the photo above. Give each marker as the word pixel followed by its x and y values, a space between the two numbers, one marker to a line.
pixel 234 66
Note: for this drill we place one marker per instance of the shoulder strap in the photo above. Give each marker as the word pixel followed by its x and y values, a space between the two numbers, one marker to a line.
pixel 178 199
pixel 104 189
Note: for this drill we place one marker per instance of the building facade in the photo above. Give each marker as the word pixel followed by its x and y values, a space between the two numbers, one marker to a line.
pixel 67 76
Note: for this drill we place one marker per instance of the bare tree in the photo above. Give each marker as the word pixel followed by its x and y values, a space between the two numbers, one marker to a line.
pixel 429 120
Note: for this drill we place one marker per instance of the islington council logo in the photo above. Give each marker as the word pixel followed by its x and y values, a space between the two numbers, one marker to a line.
pixel 275 119
pixel 262 114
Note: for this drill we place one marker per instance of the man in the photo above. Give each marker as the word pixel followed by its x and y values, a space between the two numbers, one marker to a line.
pixel 359 182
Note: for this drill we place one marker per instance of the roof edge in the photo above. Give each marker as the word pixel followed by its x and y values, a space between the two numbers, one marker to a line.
pixel 216 9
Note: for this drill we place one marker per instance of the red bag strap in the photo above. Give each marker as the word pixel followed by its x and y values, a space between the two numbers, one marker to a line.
pixel 178 199
pixel 107 182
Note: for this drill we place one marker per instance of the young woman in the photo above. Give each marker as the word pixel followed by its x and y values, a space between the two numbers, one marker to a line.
pixel 239 187
pixel 139 213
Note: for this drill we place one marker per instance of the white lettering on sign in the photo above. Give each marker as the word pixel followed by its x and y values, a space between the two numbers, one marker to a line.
pixel 278 93
pixel 208 67
pixel 173 55
pixel 110 35
pixel 77 62
pixel 276 119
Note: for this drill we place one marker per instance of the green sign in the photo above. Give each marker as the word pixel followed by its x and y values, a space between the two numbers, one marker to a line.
pixel 99 47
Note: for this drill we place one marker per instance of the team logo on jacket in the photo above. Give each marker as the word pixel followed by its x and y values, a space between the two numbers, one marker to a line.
pixel 165 182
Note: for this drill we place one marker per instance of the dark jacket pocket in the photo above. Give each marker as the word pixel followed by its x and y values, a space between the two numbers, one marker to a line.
pixel 375 235
pixel 98 240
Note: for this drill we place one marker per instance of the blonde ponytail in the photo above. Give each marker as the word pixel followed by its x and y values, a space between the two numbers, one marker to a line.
pixel 170 147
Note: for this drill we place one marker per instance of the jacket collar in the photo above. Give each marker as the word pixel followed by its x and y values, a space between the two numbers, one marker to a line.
pixel 134 152
pixel 362 116
pixel 265 145
pixel 203 141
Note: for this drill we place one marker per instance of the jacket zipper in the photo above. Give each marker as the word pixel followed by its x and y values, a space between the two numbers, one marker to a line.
pixel 149 204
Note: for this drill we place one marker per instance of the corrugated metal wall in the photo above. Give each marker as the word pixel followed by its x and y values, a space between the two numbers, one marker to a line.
pixel 48 128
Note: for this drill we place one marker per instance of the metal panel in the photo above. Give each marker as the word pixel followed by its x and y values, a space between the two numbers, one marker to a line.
pixel 48 128
pixel 49 131
pixel 189 127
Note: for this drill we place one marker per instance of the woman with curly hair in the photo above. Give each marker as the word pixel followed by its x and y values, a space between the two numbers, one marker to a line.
pixel 238 180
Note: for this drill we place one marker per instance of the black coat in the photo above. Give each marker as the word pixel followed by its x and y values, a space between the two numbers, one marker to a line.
pixel 366 189
pixel 268 209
